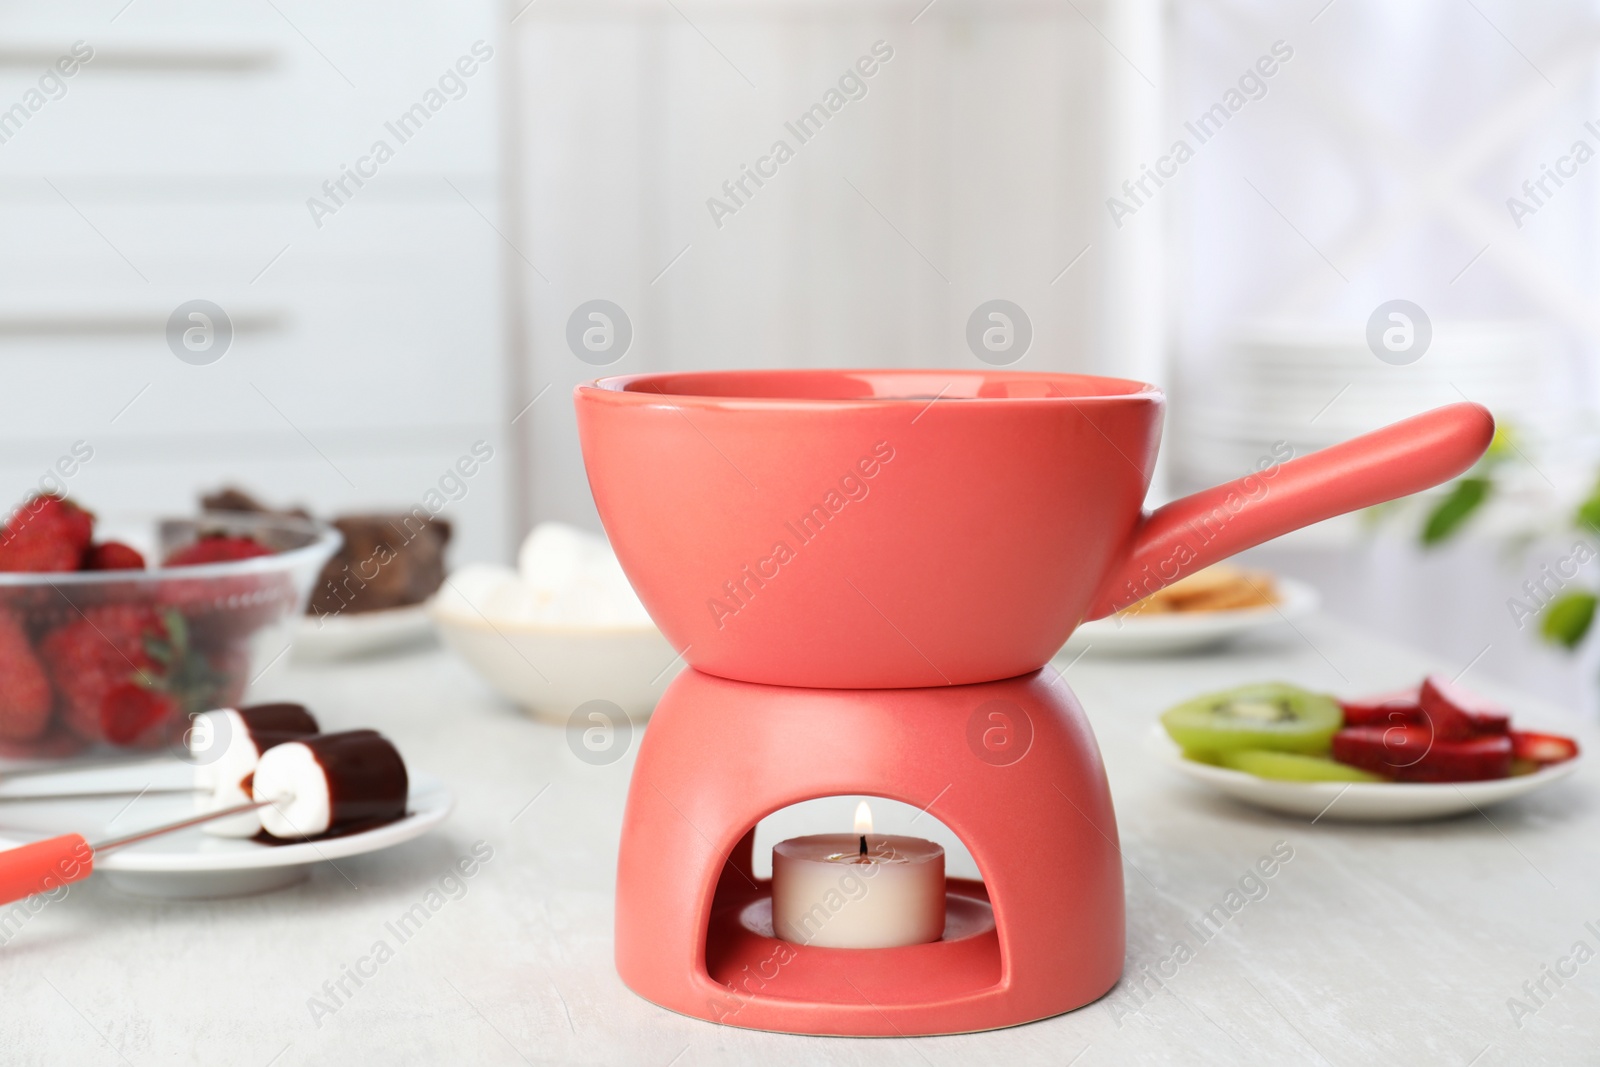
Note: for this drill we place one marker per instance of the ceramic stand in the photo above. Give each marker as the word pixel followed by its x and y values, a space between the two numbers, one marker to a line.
pixel 1011 767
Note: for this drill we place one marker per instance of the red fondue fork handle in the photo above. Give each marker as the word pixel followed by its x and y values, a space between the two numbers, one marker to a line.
pixel 1196 531
pixel 44 866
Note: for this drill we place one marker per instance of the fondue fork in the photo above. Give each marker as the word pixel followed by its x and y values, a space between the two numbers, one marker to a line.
pixel 42 866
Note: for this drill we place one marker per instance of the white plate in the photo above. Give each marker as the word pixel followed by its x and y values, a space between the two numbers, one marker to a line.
pixel 1359 801
pixel 190 864
pixel 361 633
pixel 1154 635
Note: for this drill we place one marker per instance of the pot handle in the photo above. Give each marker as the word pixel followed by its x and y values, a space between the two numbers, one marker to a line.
pixel 1196 531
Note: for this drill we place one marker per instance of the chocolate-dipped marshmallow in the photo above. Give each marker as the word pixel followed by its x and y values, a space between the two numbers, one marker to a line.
pixel 330 782
pixel 226 745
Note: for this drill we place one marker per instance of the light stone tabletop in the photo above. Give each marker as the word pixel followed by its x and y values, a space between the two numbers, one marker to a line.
pixel 1371 944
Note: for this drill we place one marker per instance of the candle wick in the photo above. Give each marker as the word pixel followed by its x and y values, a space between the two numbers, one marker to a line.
pixel 863 845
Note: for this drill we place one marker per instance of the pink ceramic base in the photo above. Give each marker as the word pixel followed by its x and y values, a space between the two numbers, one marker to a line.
pixel 1011 767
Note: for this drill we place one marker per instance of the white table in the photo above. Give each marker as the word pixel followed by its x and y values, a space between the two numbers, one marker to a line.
pixel 1373 944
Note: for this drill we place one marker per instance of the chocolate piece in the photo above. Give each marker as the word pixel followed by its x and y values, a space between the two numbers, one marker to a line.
pixel 366 776
pixel 282 718
pixel 387 561
pixel 231 498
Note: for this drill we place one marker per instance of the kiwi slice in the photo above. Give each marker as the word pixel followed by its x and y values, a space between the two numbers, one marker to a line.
pixel 1273 716
pixel 1292 766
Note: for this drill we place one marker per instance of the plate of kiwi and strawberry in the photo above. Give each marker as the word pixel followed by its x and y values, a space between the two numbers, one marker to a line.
pixel 1427 751
pixel 113 635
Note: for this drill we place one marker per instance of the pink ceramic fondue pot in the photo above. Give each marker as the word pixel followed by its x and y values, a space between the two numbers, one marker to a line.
pixel 905 528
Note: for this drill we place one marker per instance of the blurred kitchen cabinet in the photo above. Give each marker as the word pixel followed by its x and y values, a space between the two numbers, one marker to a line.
pixel 228 152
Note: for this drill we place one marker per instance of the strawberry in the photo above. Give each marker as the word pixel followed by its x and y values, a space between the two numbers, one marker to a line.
pixel 216 548
pixel 112 556
pixel 100 658
pixel 1458 713
pixel 1396 708
pixel 1417 754
pixel 25 696
pixel 88 657
pixel 1542 748
pixel 131 711
pixel 45 534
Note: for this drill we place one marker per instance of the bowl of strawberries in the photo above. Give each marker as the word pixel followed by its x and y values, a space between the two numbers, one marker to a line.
pixel 114 634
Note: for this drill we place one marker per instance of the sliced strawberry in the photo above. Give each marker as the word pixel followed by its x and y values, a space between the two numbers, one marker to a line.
pixel 218 548
pixel 25 695
pixel 129 711
pixel 1490 722
pixel 1396 708
pixel 1543 748
pixel 1458 713
pixel 1415 754
pixel 45 534
pixel 112 556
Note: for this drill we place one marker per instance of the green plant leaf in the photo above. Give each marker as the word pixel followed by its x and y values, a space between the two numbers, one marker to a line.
pixel 1589 511
pixel 1447 517
pixel 1568 618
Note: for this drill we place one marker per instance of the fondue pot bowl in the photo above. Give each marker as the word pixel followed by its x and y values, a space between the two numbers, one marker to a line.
pixel 906 528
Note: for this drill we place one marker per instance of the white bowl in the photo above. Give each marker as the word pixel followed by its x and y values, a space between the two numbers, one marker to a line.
pixel 550 671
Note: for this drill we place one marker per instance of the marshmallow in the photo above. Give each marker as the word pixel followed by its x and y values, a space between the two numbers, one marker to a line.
pixel 330 782
pixel 575 578
pixel 226 745
pixel 565 577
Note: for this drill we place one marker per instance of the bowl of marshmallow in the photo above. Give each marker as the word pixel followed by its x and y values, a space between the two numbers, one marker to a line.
pixel 561 629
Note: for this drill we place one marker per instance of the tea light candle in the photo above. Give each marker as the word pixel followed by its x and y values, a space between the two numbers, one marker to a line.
pixel 860 890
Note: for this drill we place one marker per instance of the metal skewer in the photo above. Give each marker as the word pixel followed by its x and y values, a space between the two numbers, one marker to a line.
pixel 17 798
pixel 193 820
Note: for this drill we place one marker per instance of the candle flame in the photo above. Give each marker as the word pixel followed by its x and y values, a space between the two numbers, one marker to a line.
pixel 863 818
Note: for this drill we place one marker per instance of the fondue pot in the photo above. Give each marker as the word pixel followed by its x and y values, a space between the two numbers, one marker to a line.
pixel 900 528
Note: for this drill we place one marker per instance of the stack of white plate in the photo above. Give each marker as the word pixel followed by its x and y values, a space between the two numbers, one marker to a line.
pixel 1307 385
